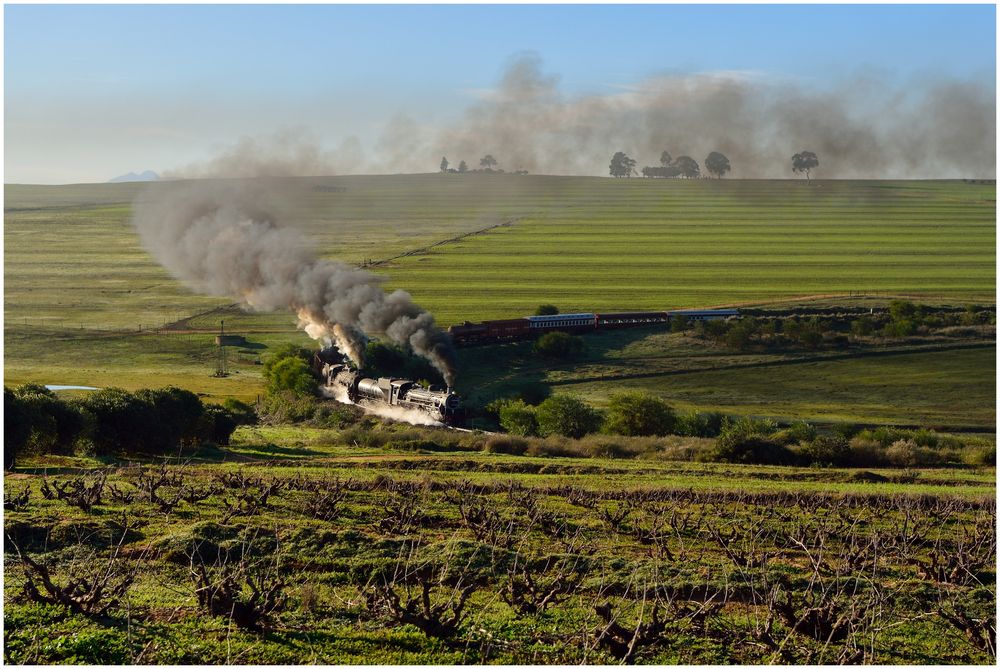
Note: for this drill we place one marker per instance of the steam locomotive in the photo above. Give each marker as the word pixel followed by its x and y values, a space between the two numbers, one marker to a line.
pixel 440 405
pixel 521 328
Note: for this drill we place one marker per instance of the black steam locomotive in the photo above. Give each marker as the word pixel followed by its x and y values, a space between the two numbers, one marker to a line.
pixel 440 405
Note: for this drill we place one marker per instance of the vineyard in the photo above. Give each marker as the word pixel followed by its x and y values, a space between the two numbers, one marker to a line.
pixel 292 551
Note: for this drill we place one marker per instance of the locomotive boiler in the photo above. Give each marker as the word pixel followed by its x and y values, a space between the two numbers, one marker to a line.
pixel 340 379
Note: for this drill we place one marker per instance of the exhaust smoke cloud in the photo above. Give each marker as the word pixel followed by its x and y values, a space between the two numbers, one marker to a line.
pixel 220 239
pixel 866 127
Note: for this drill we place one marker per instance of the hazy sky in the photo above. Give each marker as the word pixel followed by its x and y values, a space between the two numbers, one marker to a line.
pixel 92 92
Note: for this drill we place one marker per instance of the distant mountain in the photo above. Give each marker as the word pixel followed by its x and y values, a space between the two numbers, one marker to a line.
pixel 148 175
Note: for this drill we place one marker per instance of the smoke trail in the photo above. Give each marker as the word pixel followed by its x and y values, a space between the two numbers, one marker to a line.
pixel 219 239
pixel 864 127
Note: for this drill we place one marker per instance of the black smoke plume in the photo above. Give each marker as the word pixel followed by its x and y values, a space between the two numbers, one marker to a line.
pixel 219 239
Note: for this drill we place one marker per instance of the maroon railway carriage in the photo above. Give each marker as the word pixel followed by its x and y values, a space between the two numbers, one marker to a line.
pixel 508 329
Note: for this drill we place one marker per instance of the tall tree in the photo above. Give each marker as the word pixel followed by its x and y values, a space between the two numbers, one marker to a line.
pixel 688 167
pixel 717 164
pixel 621 165
pixel 462 167
pixel 666 159
pixel 444 164
pixel 488 162
pixel 804 162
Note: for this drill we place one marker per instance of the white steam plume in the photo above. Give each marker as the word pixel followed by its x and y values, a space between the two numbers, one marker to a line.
pixel 219 239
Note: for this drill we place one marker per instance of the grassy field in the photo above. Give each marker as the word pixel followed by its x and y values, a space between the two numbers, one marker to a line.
pixel 348 536
pixel 81 295
pixel 654 244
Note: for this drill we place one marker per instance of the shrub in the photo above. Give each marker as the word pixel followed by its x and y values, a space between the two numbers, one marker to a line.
pixel 926 438
pixel 700 424
pixel 802 431
pixel 559 345
pixel 546 310
pixel 123 422
pixel 554 448
pixel 866 453
pixel 16 428
pixel 637 414
pixel 833 451
pixel 218 424
pixel 566 415
pixel 741 334
pixel 243 413
pixel 518 418
pixel 906 453
pixel 336 415
pixel 984 455
pixel 748 440
pixel 285 407
pixel 751 450
pixel 506 445
pixel 885 436
pixel 178 415
pixel 289 374
pixel 863 326
pixel 602 448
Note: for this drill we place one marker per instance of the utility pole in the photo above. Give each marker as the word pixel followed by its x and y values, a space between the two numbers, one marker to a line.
pixel 221 369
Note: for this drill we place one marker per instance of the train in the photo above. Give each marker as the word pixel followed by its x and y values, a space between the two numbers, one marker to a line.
pixel 343 381
pixel 512 329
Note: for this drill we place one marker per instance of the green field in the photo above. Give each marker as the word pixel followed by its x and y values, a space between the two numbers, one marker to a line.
pixel 608 245
pixel 82 296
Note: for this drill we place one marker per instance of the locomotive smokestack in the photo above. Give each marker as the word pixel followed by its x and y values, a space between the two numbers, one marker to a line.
pixel 220 240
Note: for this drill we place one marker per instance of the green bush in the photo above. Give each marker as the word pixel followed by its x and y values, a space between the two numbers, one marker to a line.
pixel 178 416
pixel 518 418
pixel 243 413
pixel 559 345
pixel 863 452
pixel 218 424
pixel 638 414
pixel 123 422
pixel 700 424
pixel 750 450
pixel 506 445
pixel 567 416
pixel 16 428
pixel 984 455
pixel 547 310
pixel 748 441
pixel 286 407
pixel 289 374
pixel 829 451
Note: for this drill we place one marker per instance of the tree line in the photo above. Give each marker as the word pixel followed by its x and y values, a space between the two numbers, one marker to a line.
pixel 486 164
pixel 686 167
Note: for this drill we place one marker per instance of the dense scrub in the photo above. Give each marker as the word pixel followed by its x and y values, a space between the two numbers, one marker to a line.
pixel 112 421
pixel 213 564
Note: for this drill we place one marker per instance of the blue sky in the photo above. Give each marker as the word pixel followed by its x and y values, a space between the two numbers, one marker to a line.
pixel 94 91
